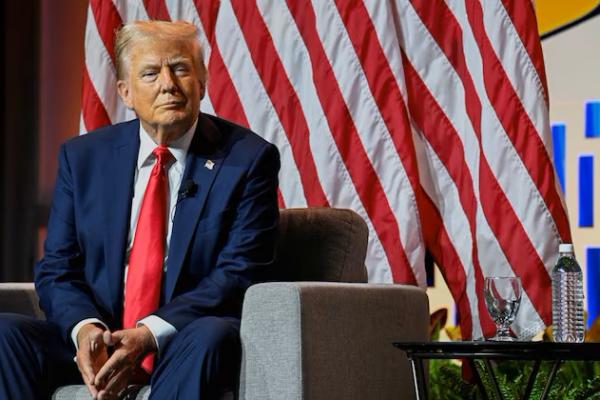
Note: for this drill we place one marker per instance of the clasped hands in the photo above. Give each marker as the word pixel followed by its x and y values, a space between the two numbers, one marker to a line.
pixel 110 361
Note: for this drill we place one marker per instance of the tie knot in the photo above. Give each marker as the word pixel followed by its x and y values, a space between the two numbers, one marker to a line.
pixel 163 155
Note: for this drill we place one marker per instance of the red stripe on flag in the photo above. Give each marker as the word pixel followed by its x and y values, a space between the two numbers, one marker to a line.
pixel 446 31
pixel 441 135
pixel 208 11
pixel 94 113
pixel 517 124
pixel 515 244
pixel 522 15
pixel 108 21
pixel 351 150
pixel 157 9
pixel 508 229
pixel 382 83
pixel 223 94
pixel 447 260
pixel 280 201
pixel 283 97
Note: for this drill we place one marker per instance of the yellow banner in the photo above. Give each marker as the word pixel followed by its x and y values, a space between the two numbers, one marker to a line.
pixel 553 14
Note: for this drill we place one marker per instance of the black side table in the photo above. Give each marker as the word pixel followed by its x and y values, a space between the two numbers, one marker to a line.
pixel 488 350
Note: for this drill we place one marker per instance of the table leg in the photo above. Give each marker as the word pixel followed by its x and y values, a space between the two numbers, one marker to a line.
pixel 532 378
pixel 480 384
pixel 553 371
pixel 490 372
pixel 419 378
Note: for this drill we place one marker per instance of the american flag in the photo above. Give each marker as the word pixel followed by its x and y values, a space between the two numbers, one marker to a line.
pixel 427 117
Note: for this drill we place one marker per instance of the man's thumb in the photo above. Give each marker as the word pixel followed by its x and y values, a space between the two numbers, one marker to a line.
pixel 108 338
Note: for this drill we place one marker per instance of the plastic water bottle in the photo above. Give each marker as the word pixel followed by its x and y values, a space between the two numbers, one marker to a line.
pixel 567 297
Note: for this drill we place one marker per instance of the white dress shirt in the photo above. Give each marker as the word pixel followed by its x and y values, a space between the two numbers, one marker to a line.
pixel 160 329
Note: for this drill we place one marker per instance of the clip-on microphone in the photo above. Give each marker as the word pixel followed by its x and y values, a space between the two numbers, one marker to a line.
pixel 188 188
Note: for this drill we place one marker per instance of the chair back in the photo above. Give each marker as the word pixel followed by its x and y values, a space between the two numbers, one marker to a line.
pixel 20 298
pixel 321 244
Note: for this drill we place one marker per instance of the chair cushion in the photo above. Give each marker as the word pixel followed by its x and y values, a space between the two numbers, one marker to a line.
pixel 80 392
pixel 321 244
pixel 134 392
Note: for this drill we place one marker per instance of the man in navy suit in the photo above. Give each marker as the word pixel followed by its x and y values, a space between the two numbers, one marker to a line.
pixel 221 220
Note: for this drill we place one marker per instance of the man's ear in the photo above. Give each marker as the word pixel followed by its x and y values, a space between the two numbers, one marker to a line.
pixel 125 93
pixel 202 90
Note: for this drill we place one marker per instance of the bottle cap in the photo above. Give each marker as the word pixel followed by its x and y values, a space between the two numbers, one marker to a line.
pixel 565 248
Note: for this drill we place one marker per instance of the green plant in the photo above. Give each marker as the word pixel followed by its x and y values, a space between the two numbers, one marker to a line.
pixel 445 382
pixel 574 380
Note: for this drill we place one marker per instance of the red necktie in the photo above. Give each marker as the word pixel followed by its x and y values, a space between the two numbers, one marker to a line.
pixel 144 274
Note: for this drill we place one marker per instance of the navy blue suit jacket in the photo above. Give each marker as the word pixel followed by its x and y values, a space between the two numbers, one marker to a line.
pixel 222 238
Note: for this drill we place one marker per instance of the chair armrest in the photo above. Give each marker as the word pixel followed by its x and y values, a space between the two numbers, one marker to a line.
pixel 308 340
pixel 20 298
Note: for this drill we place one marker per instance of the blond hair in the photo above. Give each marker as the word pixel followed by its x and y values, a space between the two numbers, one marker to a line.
pixel 136 31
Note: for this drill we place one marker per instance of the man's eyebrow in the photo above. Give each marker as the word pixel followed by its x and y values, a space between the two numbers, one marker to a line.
pixel 150 64
pixel 171 62
pixel 179 60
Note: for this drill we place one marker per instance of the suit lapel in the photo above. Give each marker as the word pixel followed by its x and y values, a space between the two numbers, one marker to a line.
pixel 117 192
pixel 203 162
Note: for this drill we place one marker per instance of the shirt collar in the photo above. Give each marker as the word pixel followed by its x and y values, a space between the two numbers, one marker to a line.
pixel 178 147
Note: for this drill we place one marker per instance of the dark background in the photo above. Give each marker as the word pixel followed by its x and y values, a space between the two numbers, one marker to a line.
pixel 42 59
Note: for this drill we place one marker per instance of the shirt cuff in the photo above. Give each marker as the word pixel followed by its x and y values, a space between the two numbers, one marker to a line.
pixel 161 330
pixel 80 325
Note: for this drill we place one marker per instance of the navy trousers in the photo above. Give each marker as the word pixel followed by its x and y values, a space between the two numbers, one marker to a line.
pixel 201 361
pixel 34 359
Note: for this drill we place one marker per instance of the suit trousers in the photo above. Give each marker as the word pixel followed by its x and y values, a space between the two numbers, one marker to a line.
pixel 34 358
pixel 201 361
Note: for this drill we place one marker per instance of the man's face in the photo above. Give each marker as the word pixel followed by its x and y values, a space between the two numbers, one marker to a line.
pixel 162 85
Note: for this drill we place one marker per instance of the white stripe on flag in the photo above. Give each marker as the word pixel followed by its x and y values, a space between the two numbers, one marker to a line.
pixel 333 174
pixel 505 162
pixel 257 105
pixel 130 10
pixel 445 196
pixel 518 67
pixel 373 133
pixel 102 72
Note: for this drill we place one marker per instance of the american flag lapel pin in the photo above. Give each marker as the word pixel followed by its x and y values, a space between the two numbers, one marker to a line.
pixel 209 164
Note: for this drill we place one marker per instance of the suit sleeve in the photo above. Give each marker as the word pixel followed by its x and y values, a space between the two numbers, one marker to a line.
pixel 248 251
pixel 60 282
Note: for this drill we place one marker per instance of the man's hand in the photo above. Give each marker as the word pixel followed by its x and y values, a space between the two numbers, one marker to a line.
pixel 91 354
pixel 123 366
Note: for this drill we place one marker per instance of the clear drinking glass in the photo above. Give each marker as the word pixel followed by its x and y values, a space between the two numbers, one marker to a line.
pixel 502 298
